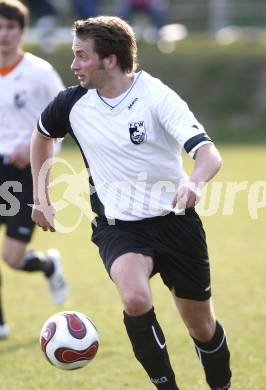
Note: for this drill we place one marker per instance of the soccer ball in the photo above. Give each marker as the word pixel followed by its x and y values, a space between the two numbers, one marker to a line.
pixel 69 340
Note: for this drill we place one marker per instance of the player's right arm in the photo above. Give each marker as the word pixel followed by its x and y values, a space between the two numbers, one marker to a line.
pixel 41 158
pixel 54 123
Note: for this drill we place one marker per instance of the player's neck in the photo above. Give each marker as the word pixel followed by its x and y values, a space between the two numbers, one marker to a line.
pixel 116 85
pixel 8 59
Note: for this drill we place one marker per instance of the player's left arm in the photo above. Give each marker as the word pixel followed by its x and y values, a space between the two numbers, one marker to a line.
pixel 207 163
pixel 177 119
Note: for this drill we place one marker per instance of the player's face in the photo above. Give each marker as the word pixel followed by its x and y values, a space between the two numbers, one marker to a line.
pixel 87 65
pixel 10 36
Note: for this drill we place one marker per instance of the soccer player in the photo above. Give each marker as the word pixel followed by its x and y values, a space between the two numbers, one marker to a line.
pixel 131 129
pixel 27 85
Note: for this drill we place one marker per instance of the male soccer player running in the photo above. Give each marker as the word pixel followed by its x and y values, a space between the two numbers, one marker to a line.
pixel 131 129
pixel 27 85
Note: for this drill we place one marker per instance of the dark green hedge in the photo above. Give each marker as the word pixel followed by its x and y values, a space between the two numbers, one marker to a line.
pixel 225 86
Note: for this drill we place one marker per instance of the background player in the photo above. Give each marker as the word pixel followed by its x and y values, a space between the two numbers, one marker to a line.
pixel 27 84
pixel 131 129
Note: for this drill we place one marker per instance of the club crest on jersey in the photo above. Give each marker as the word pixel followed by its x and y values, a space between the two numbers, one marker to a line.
pixel 137 132
pixel 20 99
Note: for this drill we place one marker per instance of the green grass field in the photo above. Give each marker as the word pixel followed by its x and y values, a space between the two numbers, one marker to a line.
pixel 237 247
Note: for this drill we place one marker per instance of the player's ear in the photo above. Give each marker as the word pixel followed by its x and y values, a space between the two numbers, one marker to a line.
pixel 110 62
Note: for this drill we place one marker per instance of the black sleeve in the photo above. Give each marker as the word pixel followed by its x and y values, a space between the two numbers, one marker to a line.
pixel 54 120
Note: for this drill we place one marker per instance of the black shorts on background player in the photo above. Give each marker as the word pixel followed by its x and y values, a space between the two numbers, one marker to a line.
pixel 19 226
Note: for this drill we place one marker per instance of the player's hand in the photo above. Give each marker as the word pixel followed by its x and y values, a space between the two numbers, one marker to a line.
pixel 187 195
pixel 43 216
pixel 20 158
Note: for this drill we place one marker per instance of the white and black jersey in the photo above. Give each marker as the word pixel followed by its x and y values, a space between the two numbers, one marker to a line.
pixel 132 144
pixel 24 93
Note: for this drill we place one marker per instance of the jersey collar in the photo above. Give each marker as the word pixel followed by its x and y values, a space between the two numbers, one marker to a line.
pixel 5 70
pixel 124 96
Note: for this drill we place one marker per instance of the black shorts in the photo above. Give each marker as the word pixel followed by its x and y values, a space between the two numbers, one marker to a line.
pixel 13 201
pixel 177 244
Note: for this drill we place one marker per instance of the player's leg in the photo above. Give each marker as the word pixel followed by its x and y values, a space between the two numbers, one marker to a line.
pixel 2 320
pixel 15 254
pixel 4 329
pixel 209 340
pixel 19 233
pixel 131 272
pixel 184 268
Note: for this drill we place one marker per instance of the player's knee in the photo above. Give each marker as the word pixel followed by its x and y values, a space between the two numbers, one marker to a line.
pixel 136 303
pixel 10 259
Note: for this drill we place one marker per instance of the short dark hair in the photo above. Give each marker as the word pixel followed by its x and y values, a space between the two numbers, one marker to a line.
pixel 111 35
pixel 15 10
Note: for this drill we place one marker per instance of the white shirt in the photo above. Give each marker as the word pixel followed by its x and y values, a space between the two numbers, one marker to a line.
pixel 133 149
pixel 24 93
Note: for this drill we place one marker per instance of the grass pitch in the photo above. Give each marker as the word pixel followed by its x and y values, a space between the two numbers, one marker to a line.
pixel 237 249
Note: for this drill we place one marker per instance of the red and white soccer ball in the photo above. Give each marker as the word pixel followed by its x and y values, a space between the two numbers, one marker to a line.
pixel 69 340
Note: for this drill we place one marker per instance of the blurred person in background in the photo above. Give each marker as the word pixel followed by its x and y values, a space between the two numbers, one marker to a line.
pixel 46 21
pixel 27 84
pixel 87 8
pixel 46 15
pixel 41 8
pixel 154 9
